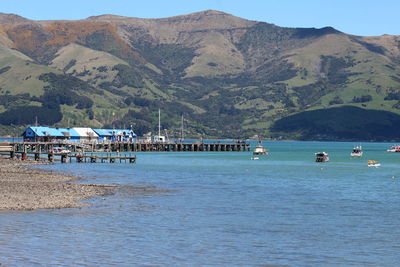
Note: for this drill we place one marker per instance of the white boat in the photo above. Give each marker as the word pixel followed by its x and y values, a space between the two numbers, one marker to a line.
pixel 373 163
pixel 60 150
pixel 260 150
pixel 357 152
pixel 395 148
pixel 321 157
pixel 159 138
pixel 255 158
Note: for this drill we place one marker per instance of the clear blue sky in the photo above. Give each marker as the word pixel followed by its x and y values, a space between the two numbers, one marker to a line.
pixel 359 17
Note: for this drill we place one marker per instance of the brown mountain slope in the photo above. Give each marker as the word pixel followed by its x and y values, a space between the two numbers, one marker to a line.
pixel 170 30
pixel 210 37
pixel 230 76
pixel 12 19
pixel 41 40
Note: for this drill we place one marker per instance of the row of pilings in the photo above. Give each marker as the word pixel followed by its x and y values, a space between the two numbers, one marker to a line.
pixel 49 147
pixel 108 151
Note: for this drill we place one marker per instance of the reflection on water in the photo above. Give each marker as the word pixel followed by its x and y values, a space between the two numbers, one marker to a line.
pixel 222 208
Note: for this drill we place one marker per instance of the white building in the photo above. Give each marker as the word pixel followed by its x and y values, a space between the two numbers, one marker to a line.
pixel 86 134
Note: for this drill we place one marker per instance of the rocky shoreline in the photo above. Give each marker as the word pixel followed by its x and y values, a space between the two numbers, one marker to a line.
pixel 24 188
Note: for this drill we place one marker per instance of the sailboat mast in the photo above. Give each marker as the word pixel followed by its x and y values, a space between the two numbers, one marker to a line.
pixel 159 124
pixel 182 129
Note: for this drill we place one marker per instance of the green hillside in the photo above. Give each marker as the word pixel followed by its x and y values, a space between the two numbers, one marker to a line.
pixel 341 123
pixel 228 76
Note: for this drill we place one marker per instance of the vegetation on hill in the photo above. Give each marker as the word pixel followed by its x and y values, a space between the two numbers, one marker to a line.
pixel 229 77
pixel 28 115
pixel 341 123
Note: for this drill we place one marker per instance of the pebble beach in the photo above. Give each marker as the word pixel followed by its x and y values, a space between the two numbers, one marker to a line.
pixel 23 187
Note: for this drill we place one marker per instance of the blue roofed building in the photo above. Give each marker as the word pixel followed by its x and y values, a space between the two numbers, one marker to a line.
pixel 42 134
pixel 104 134
pixel 116 135
pixel 47 134
pixel 124 135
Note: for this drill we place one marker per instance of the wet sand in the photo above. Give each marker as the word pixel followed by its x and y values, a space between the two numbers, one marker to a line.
pixel 25 188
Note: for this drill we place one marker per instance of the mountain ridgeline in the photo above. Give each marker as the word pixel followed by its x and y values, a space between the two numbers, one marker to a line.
pixel 229 77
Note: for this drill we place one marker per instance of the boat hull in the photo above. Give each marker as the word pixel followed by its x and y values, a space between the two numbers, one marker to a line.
pixel 394 149
pixel 260 153
pixel 374 165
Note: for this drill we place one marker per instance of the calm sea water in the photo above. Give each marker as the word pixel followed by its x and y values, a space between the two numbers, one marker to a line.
pixel 223 209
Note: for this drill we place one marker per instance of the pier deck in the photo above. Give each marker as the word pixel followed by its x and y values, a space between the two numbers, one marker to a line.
pixel 80 150
pixel 46 147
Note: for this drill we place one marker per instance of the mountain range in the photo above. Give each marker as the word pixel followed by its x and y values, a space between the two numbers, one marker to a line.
pixel 229 77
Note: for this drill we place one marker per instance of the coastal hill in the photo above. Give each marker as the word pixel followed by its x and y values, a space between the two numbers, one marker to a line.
pixel 228 76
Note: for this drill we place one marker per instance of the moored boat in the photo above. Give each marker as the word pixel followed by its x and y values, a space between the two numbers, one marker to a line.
pixel 357 152
pixel 395 148
pixel 60 151
pixel 260 150
pixel 321 157
pixel 373 163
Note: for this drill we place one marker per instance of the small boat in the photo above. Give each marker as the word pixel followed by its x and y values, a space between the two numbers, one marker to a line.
pixel 255 158
pixel 260 150
pixel 373 163
pixel 60 151
pixel 395 148
pixel 357 152
pixel 321 157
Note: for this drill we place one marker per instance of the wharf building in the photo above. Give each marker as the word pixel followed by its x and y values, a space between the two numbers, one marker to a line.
pixel 77 134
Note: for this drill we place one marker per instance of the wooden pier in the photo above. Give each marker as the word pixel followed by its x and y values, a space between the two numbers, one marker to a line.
pixel 96 157
pixel 46 152
pixel 47 147
pixel 110 151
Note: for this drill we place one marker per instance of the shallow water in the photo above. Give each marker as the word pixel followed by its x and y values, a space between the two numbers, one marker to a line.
pixel 223 209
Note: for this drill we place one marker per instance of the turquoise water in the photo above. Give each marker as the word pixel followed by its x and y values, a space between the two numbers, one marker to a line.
pixel 223 209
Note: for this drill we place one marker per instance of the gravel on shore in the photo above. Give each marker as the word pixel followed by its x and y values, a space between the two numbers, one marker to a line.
pixel 24 188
